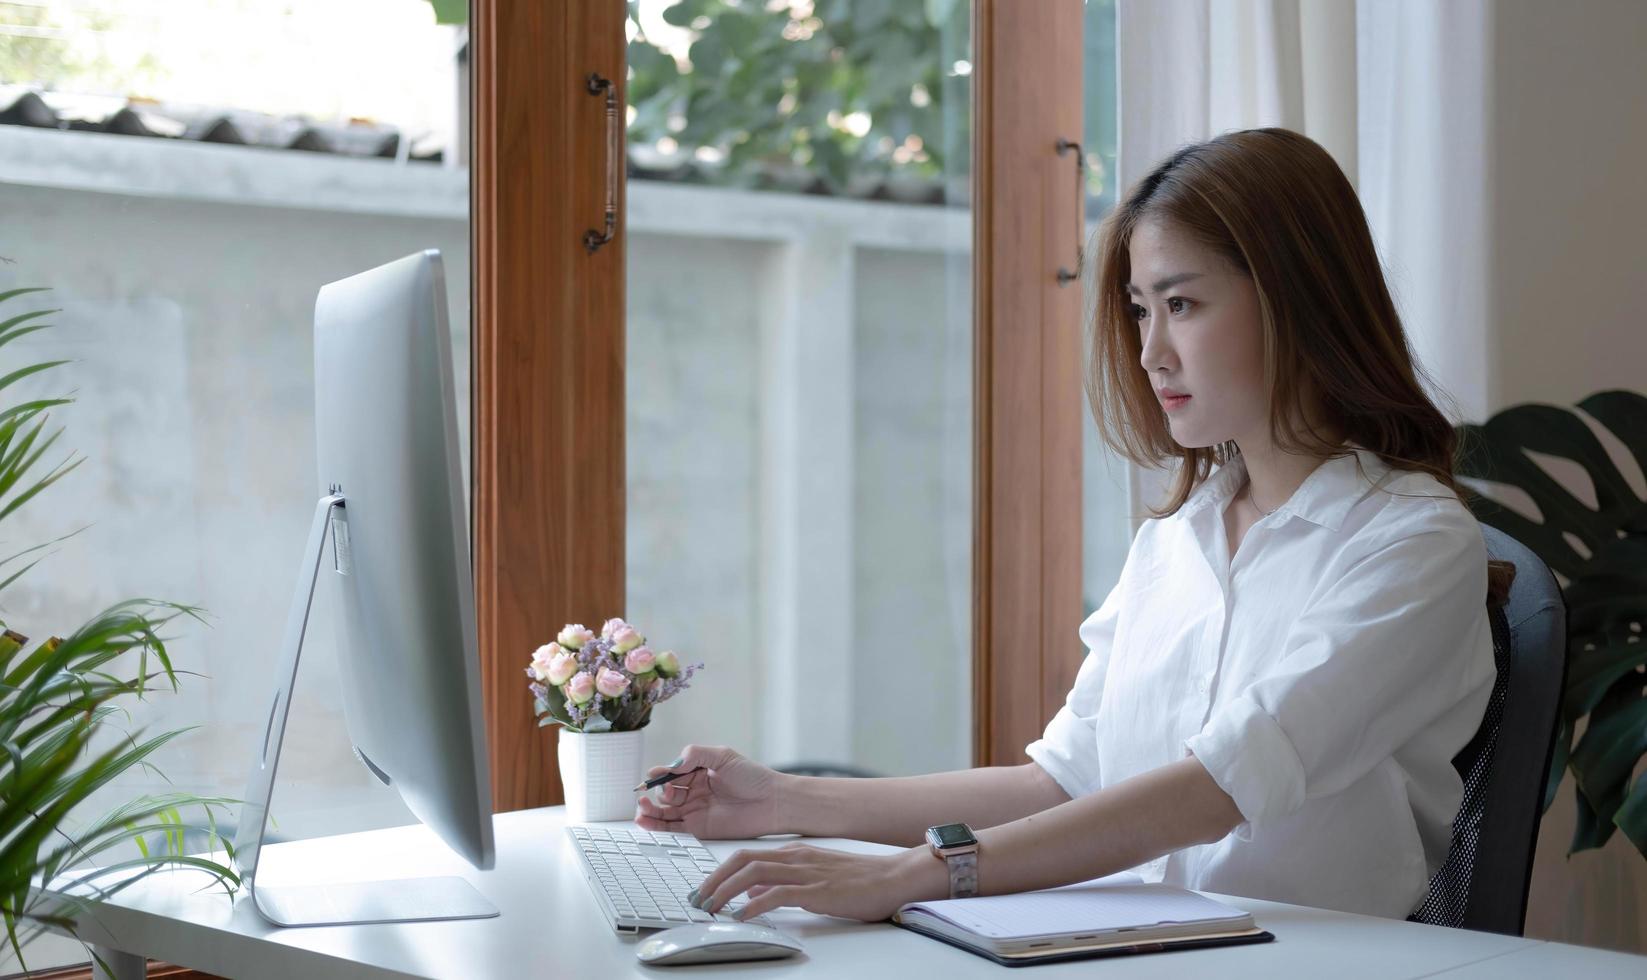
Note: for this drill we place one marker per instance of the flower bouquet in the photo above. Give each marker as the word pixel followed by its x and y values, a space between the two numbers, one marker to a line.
pixel 601 690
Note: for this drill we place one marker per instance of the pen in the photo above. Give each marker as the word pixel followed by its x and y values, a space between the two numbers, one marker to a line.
pixel 666 777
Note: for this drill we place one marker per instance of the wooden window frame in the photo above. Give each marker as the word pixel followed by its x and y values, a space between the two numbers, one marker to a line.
pixel 547 415
pixel 548 367
pixel 1026 550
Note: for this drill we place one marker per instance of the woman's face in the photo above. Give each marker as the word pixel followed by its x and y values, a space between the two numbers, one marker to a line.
pixel 1201 335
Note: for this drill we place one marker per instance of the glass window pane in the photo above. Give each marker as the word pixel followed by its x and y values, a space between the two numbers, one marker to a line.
pixel 800 376
pixel 184 177
pixel 1106 524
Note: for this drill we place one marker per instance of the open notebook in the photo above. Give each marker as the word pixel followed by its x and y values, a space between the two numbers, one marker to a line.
pixel 1109 916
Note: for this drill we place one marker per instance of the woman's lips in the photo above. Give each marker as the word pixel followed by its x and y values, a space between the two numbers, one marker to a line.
pixel 1174 402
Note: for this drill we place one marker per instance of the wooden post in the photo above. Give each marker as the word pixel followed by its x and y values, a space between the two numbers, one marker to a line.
pixel 1027 401
pixel 548 445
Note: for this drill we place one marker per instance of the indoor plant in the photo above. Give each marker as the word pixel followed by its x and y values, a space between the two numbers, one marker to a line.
pixel 601 690
pixel 1599 555
pixel 60 696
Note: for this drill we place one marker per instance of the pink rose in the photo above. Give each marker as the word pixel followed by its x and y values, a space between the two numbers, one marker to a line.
pixel 624 639
pixel 560 667
pixel 612 626
pixel 611 682
pixel 640 660
pixel 574 636
pixel 581 687
pixel 668 664
pixel 540 661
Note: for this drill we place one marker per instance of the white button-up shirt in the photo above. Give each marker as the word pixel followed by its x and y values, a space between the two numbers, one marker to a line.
pixel 1325 678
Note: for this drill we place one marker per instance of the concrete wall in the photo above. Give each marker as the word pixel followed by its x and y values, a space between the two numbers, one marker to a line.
pixel 800 442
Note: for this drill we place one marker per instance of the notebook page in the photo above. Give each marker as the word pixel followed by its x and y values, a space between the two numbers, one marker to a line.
pixel 1092 906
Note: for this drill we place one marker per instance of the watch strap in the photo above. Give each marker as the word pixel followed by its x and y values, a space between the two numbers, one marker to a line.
pixel 963 874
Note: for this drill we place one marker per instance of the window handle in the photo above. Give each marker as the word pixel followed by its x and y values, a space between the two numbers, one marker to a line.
pixel 1067 276
pixel 592 239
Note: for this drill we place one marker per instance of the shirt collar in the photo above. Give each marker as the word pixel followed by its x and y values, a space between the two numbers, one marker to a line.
pixel 1324 498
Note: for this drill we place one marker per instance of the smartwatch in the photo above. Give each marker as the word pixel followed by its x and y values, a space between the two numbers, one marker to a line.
pixel 958 846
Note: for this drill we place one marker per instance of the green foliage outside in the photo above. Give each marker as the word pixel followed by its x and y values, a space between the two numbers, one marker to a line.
pixel 451 11
pixel 842 89
pixel 836 96
pixel 826 95
pixel 36 50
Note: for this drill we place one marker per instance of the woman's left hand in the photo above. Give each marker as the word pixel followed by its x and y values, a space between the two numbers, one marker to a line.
pixel 869 887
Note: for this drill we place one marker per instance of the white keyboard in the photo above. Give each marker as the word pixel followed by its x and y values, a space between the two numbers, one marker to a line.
pixel 640 878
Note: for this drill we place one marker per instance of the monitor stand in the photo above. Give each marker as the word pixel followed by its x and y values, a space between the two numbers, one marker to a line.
pixel 394 900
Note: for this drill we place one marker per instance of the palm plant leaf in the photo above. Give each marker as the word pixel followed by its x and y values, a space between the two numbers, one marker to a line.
pixel 14 576
pixel 8 380
pixel 54 701
pixel 11 293
pixel 32 408
pixel 1600 554
pixel 19 326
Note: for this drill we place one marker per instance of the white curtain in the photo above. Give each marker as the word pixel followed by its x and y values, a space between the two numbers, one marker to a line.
pixel 1396 90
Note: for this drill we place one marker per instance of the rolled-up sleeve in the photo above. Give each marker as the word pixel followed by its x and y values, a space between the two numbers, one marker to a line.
pixel 1068 749
pixel 1393 644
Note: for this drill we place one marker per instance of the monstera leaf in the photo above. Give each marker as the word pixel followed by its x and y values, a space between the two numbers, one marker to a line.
pixel 1600 554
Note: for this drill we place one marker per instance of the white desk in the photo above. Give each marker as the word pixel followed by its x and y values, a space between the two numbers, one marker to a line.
pixel 551 927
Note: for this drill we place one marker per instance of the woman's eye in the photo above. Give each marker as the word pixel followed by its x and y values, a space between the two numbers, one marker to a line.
pixel 1137 311
pixel 1178 299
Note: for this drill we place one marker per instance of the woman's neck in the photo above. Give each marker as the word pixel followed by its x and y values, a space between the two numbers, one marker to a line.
pixel 1273 475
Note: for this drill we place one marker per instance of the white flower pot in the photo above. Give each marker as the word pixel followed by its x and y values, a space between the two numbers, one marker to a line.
pixel 600 772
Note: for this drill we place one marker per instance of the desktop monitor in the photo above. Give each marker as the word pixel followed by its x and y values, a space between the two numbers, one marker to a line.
pixel 393 510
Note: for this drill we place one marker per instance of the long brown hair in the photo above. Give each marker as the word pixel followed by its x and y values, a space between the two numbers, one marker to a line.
pixel 1275 205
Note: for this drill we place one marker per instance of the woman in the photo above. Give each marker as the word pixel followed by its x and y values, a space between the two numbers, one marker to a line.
pixel 1298 644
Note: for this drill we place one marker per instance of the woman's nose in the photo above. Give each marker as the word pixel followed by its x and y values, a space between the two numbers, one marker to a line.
pixel 1154 351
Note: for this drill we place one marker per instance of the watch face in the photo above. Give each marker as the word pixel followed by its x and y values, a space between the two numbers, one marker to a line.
pixel 953 835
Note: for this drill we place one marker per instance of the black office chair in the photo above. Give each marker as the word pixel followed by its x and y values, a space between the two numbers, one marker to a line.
pixel 1483 883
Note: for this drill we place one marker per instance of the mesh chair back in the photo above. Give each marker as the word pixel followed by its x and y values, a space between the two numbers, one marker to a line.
pixel 1483 883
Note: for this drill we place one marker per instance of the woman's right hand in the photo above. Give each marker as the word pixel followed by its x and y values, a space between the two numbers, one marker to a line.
pixel 730 797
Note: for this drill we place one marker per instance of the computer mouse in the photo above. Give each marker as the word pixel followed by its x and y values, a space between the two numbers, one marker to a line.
pixel 715 942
